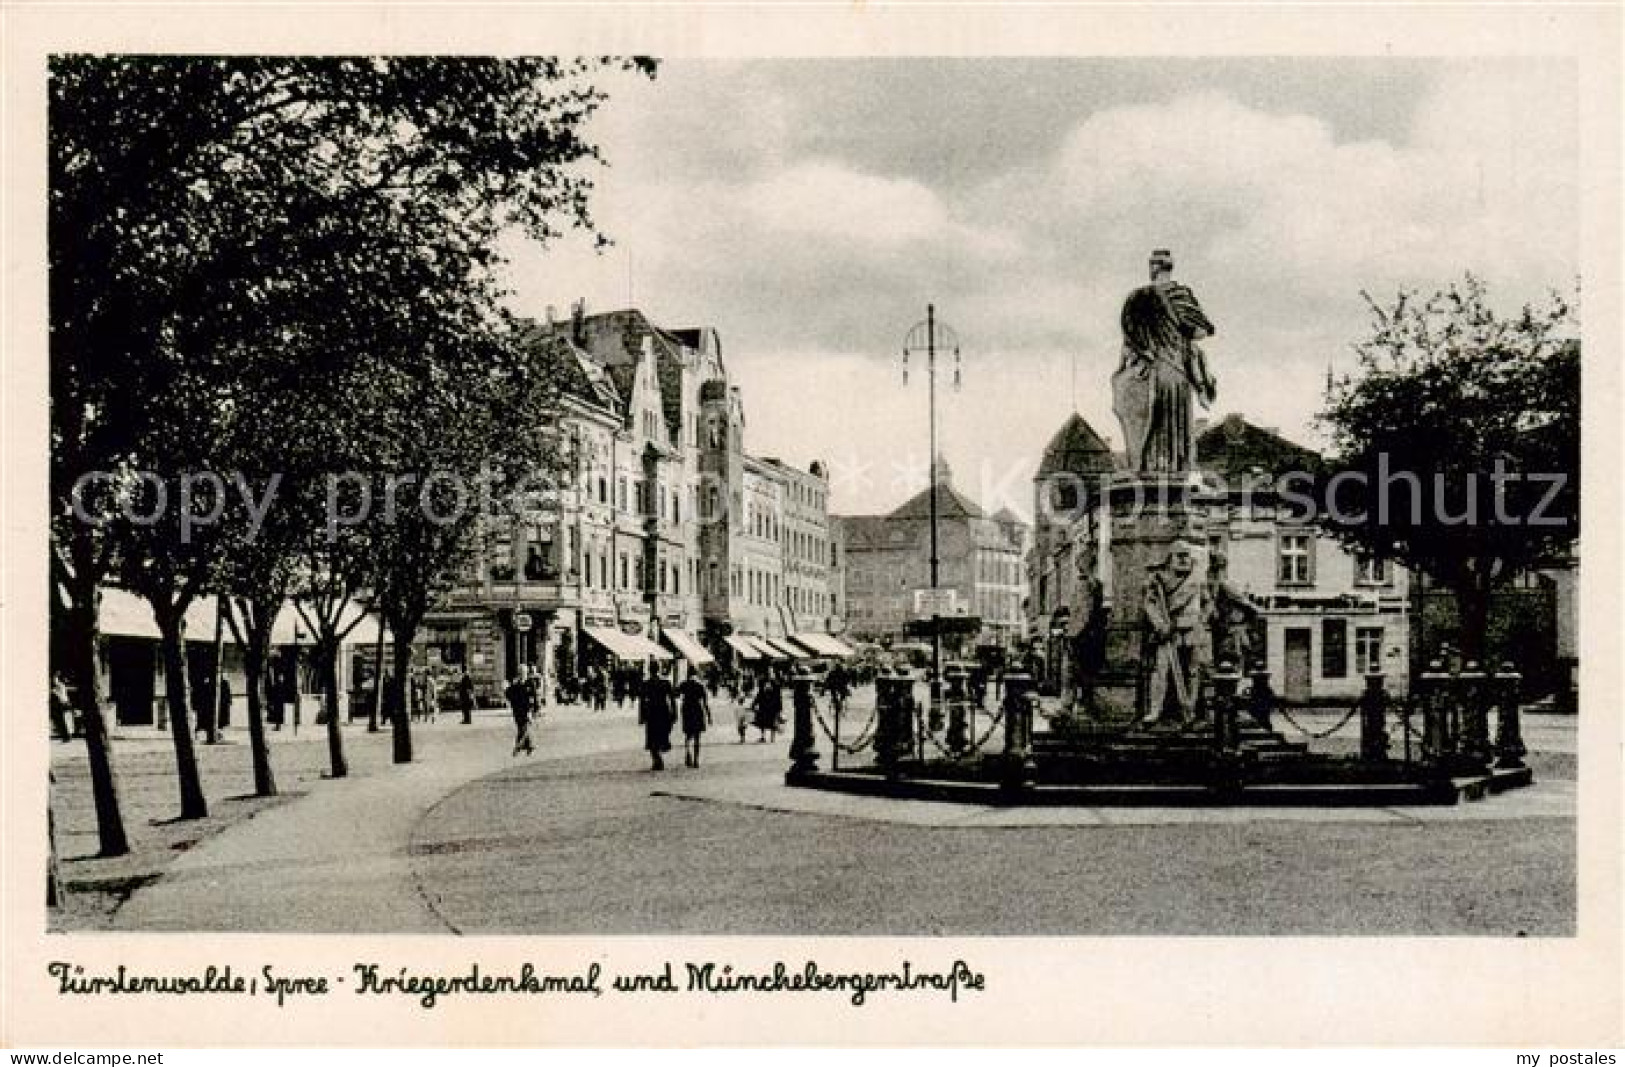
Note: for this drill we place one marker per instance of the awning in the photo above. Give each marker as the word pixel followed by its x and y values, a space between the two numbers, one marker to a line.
pixel 745 647
pixel 625 646
pixel 764 650
pixel 789 650
pixel 124 614
pixel 690 649
pixel 822 644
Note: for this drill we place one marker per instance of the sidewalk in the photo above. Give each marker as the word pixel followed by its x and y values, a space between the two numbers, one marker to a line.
pixel 337 859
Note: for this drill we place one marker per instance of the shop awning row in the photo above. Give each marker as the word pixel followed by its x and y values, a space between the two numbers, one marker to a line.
pixel 687 647
pixel 823 644
pixel 124 614
pixel 743 647
pixel 625 646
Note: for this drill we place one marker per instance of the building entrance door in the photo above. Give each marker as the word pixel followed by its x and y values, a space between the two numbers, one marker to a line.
pixel 1296 682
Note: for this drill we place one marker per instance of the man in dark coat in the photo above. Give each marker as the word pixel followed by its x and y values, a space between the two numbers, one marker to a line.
pixel 695 705
pixel 518 694
pixel 465 696
pixel 656 713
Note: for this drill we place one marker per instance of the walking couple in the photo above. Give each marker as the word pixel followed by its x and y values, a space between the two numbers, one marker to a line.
pixel 660 707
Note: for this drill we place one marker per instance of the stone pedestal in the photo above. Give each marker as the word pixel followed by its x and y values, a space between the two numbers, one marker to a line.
pixel 1148 513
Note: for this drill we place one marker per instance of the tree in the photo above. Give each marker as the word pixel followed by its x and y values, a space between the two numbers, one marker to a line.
pixel 1457 444
pixel 492 453
pixel 224 232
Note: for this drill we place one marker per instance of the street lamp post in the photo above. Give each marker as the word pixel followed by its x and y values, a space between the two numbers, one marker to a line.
pixel 927 337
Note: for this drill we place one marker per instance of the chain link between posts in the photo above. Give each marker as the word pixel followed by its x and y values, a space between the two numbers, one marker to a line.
pixel 1317 735
pixel 866 733
pixel 972 749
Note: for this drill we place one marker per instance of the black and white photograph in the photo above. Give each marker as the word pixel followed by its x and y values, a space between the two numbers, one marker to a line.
pixel 626 493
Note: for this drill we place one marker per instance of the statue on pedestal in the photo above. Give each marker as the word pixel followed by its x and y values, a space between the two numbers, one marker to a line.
pixel 1162 366
pixel 1177 605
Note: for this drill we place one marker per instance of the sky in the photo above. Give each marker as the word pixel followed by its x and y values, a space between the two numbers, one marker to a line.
pixel 811 209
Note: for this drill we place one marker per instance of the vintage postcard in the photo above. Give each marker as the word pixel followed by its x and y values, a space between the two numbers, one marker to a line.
pixel 846 524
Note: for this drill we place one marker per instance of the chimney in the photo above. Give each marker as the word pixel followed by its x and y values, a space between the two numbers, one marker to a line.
pixel 552 316
pixel 578 321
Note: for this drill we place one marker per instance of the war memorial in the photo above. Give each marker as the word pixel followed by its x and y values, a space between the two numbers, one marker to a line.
pixel 1176 709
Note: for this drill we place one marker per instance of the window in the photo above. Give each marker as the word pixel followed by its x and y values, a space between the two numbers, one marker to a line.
pixel 1296 559
pixel 620 493
pixel 1371 571
pixel 626 572
pixel 1334 650
pixel 603 490
pixel 1368 649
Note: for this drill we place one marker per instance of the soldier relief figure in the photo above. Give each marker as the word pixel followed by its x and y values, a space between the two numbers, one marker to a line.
pixel 1177 608
pixel 1162 366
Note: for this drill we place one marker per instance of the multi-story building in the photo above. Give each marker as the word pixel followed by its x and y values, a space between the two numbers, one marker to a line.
pixel 764 542
pixel 661 531
pixel 1327 616
pixel 980 573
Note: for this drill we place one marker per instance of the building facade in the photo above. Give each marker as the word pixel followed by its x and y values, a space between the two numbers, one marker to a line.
pixel 660 535
pixel 981 567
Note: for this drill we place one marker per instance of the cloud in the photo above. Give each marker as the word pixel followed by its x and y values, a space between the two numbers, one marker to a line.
pixel 830 204
pixel 734 206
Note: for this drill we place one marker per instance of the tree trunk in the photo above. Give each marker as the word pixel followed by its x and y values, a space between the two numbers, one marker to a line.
pixel 216 661
pixel 53 875
pixel 255 640
pixel 327 659
pixel 172 627
pixel 398 684
pixel 80 638
pixel 377 679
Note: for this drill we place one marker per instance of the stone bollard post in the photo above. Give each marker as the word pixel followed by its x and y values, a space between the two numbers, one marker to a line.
pixel 1431 696
pixel 909 712
pixel 803 745
pixel 1509 746
pixel 1260 697
pixel 1020 709
pixel 890 745
pixel 1374 719
pixel 1226 734
pixel 955 697
pixel 1474 700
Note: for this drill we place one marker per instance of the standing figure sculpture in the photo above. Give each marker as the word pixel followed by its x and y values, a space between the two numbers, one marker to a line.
pixel 1177 605
pixel 1162 366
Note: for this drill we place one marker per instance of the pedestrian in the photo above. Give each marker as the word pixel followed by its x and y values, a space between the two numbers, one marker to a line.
pixel 767 708
pixel 533 682
pixel 465 696
pixel 431 695
pixel 656 714
pixel 61 710
pixel 518 694
pixel 695 706
pixel 223 716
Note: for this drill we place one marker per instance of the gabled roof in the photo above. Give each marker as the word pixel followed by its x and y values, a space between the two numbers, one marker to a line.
pixel 614 339
pixel 951 504
pixel 1235 447
pixel 578 375
pixel 1076 449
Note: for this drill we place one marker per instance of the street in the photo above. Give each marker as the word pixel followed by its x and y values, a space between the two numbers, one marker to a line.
pixel 583 838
